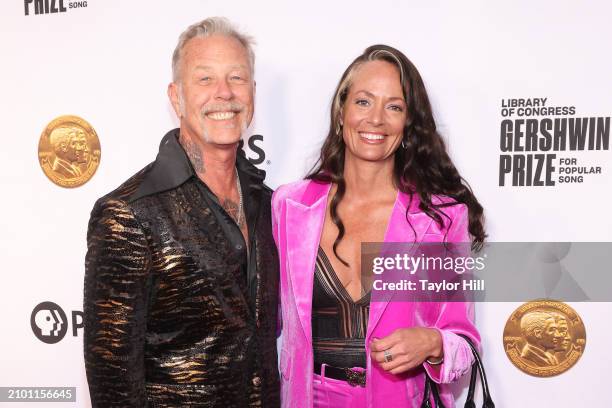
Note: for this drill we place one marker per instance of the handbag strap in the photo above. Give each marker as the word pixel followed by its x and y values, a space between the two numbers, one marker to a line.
pixel 431 387
pixel 477 367
pixel 469 401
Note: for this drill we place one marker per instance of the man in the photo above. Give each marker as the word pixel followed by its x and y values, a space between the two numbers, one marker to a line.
pixel 71 150
pixel 181 275
pixel 541 332
pixel 563 347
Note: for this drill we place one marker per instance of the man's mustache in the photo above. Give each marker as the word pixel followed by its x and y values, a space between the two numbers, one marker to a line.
pixel 223 107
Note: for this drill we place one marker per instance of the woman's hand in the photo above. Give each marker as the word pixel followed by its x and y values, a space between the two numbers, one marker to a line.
pixel 408 348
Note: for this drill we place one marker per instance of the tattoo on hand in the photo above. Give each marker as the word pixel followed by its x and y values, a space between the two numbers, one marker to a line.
pixel 194 153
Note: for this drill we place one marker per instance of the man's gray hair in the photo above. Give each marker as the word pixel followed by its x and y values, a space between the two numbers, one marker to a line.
pixel 207 28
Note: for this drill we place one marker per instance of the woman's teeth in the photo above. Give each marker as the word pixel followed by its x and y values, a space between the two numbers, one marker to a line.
pixel 371 136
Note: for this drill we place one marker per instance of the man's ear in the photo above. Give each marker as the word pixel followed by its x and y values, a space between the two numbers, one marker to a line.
pixel 173 95
pixel 254 94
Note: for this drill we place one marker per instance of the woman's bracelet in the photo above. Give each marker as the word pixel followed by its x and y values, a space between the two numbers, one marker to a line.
pixel 435 362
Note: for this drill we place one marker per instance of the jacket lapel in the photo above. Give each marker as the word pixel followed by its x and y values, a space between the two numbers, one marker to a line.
pixel 304 226
pixel 399 230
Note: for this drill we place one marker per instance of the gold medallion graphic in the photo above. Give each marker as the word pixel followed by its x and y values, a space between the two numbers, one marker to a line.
pixel 544 338
pixel 69 151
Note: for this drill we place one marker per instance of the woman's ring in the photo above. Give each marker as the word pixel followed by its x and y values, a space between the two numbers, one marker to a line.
pixel 388 356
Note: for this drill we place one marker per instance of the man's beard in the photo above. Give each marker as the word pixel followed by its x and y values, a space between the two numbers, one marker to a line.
pixel 206 135
pixel 227 107
pixel 235 107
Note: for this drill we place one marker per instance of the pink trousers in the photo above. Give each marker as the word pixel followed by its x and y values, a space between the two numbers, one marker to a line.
pixel 332 393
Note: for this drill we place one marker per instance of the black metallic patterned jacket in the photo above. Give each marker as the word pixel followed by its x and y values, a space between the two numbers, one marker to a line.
pixel 175 313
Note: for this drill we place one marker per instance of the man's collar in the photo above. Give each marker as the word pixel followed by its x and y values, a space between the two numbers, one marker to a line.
pixel 172 168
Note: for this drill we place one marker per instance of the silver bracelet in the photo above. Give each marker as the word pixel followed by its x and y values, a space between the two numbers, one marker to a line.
pixel 435 362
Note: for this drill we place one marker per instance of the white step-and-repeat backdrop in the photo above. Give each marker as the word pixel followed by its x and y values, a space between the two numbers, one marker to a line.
pixel 490 68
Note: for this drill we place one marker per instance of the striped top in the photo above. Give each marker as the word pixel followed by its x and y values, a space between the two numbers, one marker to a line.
pixel 339 324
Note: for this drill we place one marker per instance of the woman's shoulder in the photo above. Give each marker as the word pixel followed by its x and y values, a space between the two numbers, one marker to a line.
pixel 456 220
pixel 441 199
pixel 448 205
pixel 290 190
pixel 438 200
pixel 444 200
pixel 294 190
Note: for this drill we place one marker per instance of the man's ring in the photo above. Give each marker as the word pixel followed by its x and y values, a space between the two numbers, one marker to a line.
pixel 388 356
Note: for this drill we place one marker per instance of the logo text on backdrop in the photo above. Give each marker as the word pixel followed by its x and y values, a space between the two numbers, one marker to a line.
pixel 35 7
pixel 543 145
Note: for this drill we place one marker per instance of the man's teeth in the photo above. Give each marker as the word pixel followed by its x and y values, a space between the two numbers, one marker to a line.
pixel 221 115
pixel 371 136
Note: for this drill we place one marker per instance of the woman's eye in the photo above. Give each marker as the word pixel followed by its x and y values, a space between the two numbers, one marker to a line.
pixel 362 102
pixel 205 79
pixel 396 108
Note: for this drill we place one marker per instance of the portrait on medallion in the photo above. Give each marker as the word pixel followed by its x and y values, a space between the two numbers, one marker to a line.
pixel 565 345
pixel 544 338
pixel 546 334
pixel 71 151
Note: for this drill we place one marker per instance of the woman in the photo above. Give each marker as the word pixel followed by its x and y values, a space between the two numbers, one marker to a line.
pixel 383 176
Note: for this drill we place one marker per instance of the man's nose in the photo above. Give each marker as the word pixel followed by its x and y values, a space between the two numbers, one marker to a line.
pixel 224 91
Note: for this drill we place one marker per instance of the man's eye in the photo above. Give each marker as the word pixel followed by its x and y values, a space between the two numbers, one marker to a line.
pixel 205 79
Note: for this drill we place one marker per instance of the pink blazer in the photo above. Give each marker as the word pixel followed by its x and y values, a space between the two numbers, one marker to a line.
pixel 298 212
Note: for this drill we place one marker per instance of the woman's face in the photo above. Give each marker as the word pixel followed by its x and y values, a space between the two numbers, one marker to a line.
pixel 374 112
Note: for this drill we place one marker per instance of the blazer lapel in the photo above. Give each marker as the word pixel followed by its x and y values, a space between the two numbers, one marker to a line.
pixel 399 230
pixel 304 226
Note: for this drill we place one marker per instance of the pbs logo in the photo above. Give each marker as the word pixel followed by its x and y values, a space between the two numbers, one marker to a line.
pixel 49 322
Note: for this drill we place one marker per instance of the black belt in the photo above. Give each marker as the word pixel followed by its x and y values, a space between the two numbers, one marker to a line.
pixel 349 375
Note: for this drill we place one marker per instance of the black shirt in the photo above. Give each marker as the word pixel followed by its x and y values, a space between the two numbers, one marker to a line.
pixel 339 324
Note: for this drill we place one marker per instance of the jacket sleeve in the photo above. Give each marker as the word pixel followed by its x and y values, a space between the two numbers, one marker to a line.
pixel 455 317
pixel 115 304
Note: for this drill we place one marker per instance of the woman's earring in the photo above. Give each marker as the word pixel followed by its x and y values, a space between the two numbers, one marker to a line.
pixel 404 144
pixel 339 128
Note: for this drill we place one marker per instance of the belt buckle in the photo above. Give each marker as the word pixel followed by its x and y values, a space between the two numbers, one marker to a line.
pixel 355 378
